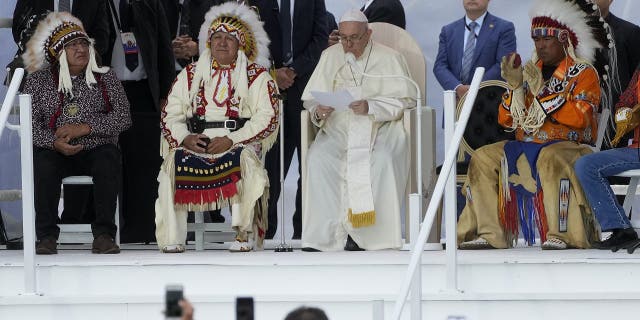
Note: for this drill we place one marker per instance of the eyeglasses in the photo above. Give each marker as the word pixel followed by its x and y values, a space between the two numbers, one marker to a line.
pixel 352 38
pixel 77 45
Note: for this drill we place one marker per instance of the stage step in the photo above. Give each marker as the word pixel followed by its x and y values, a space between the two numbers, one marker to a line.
pixel 524 283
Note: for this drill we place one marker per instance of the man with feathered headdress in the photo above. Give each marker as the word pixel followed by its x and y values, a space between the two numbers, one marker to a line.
pixel 550 105
pixel 220 118
pixel 79 109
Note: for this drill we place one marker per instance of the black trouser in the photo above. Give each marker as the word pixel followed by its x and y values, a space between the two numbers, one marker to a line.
pixel 141 162
pixel 292 108
pixel 50 167
pixel 78 208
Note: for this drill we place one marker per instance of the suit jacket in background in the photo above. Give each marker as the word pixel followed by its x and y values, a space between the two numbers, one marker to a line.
pixel 153 37
pixel 627 38
pixel 309 39
pixel 496 39
pixel 331 22
pixel 92 13
pixel 389 11
pixel 309 33
pixel 196 10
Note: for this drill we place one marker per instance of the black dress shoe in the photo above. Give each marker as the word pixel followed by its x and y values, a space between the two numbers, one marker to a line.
pixel 104 244
pixel 309 249
pixel 632 247
pixel 619 239
pixel 352 245
pixel 48 245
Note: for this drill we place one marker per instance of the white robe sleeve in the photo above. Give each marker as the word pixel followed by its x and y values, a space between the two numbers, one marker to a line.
pixel 311 106
pixel 264 112
pixel 174 116
pixel 388 109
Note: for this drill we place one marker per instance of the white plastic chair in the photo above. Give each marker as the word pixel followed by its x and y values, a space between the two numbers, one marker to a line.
pixel 214 231
pixel 81 233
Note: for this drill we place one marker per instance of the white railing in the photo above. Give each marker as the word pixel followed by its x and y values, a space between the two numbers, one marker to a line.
pixel 14 86
pixel 28 209
pixel 446 177
pixel 26 161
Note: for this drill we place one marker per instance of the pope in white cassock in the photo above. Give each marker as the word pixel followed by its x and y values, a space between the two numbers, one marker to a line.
pixel 358 165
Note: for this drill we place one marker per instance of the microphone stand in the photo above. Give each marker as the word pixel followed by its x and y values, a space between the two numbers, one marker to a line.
pixel 283 246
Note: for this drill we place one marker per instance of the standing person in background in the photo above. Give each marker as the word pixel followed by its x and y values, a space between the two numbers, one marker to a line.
pixel 332 29
pixel 389 11
pixel 143 61
pixel 184 18
pixel 627 39
pixel 480 39
pixel 93 14
pixel 298 33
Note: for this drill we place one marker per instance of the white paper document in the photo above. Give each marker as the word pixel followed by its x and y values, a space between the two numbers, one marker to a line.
pixel 339 100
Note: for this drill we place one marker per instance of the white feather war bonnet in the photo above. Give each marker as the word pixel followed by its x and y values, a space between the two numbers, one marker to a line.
pixel 244 24
pixel 46 49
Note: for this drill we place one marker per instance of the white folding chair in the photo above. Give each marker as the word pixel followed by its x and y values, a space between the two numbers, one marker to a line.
pixel 209 231
pixel 81 233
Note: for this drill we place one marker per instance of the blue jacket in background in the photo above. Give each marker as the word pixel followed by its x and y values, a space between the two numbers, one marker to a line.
pixel 496 39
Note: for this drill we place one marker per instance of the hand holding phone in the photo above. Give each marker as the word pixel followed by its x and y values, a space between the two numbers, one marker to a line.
pixel 174 293
pixel 204 142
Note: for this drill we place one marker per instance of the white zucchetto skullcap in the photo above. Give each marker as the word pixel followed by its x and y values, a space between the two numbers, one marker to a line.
pixel 353 15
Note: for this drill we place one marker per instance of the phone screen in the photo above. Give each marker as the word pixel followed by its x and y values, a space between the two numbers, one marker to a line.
pixel 173 296
pixel 244 308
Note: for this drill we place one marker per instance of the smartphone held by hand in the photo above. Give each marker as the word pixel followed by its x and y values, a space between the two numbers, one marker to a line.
pixel 244 308
pixel 204 142
pixel 173 295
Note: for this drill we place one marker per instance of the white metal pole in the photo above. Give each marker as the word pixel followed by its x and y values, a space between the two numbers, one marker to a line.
pixel 282 193
pixel 283 247
pixel 9 98
pixel 418 151
pixel 449 162
pixel 28 210
pixel 450 203
pixel 378 309
pixel 415 205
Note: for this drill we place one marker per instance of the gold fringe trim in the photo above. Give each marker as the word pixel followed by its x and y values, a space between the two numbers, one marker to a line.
pixel 363 219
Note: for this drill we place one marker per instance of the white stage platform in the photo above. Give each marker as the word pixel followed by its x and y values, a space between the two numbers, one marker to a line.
pixel 522 283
